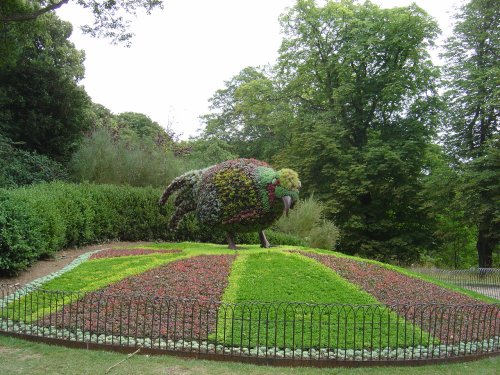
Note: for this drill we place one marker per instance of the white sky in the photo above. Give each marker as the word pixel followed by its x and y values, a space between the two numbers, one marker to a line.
pixel 180 56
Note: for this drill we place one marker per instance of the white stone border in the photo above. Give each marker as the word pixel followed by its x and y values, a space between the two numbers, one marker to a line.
pixel 25 289
pixel 420 352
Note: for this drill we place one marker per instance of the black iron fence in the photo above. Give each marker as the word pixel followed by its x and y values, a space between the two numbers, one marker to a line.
pixel 283 332
pixel 482 280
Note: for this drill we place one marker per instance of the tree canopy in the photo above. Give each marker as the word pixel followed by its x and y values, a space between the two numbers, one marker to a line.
pixel 42 107
pixel 471 124
pixel 359 107
pixel 111 17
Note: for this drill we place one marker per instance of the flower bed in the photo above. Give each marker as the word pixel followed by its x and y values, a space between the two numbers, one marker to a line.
pixel 148 310
pixel 112 253
pixel 351 310
pixel 393 288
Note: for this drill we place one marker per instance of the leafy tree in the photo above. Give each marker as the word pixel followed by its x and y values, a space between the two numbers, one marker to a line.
pixel 482 197
pixel 442 190
pixel 101 117
pixel 361 85
pixel 138 124
pixel 472 80
pixel 111 17
pixel 249 115
pixel 41 105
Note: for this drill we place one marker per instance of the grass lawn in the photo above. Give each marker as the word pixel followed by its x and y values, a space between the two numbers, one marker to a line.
pixel 23 357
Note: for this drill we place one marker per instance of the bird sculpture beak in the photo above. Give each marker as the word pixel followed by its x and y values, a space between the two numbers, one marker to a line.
pixel 287 202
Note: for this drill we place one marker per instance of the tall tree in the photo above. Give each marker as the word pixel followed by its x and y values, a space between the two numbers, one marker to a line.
pixel 454 235
pixel 42 107
pixel 111 17
pixel 472 80
pixel 482 197
pixel 361 84
pixel 249 114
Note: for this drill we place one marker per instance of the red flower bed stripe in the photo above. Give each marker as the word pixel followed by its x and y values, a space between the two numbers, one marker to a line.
pixel 112 253
pixel 395 289
pixel 159 302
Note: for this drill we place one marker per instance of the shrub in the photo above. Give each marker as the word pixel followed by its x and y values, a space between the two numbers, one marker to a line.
pixel 306 222
pixel 38 220
pixel 302 219
pixel 134 161
pixel 20 167
pixel 324 236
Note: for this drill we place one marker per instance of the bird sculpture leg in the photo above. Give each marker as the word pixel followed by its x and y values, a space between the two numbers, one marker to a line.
pixel 263 240
pixel 230 241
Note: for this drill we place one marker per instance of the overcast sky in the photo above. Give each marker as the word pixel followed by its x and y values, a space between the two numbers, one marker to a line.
pixel 181 55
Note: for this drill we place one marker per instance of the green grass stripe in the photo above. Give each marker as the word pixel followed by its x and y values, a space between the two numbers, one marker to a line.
pixel 276 276
pixel 98 273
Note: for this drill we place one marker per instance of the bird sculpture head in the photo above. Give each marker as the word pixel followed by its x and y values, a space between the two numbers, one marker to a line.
pixel 282 185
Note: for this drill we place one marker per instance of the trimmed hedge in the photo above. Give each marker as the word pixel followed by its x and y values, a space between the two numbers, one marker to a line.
pixel 38 220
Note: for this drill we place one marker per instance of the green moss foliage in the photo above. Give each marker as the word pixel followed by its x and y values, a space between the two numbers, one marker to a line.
pixel 289 179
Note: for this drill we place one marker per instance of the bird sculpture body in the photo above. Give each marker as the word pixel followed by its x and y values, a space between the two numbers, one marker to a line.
pixel 240 195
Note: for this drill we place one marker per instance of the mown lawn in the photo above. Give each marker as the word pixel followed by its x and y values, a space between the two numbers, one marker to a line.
pixel 23 357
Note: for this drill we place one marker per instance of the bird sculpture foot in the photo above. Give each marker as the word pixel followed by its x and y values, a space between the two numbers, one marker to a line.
pixel 230 242
pixel 263 240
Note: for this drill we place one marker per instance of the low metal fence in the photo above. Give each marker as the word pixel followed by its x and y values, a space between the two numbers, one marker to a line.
pixel 482 280
pixel 279 333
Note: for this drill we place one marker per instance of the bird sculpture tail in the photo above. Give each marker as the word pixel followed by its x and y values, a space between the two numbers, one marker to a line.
pixel 185 187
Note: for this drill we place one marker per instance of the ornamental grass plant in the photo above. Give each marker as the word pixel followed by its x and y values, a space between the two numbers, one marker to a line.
pixel 307 222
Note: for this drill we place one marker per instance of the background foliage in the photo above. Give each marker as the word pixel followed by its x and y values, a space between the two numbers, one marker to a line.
pixel 307 222
pixel 105 159
pixel 408 173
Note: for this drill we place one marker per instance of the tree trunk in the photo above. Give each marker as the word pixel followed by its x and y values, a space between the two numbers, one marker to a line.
pixel 484 249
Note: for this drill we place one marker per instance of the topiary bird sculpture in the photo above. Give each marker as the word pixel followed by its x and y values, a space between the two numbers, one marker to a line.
pixel 240 195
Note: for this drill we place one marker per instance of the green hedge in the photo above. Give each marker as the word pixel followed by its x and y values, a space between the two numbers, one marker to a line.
pixel 38 220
